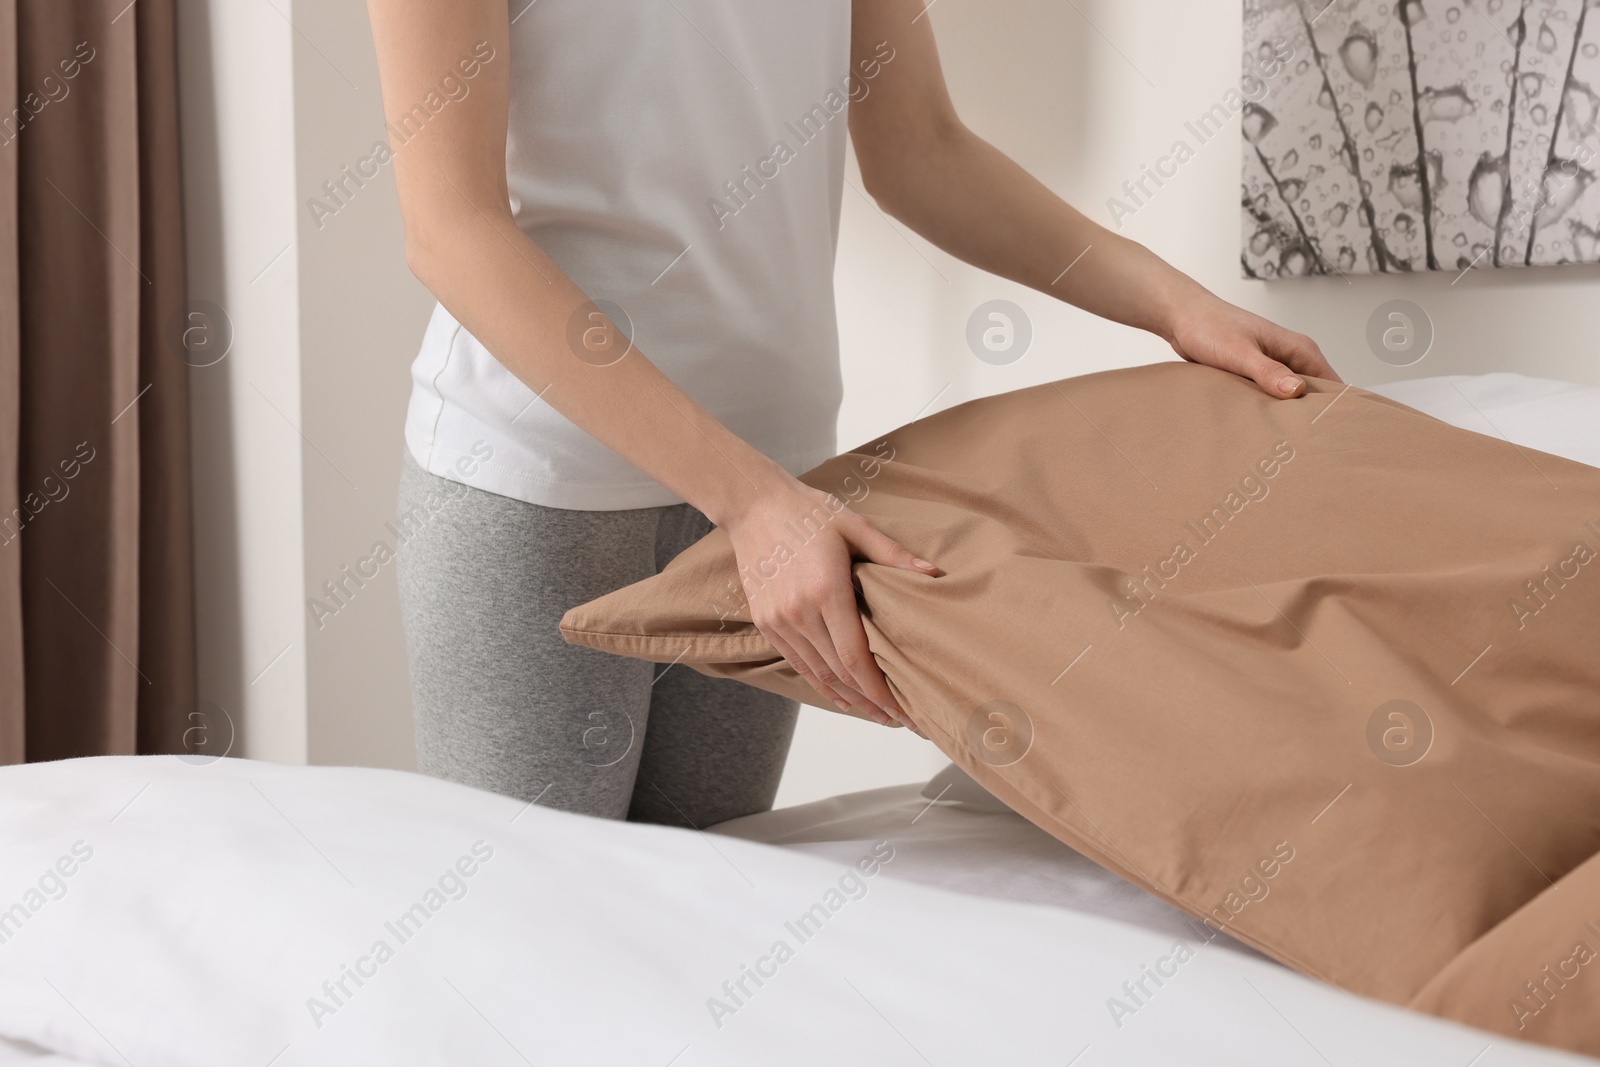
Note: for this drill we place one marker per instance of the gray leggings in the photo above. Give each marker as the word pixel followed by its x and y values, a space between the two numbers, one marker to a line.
pixel 503 703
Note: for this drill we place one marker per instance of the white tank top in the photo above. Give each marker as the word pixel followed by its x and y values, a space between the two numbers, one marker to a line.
pixel 683 160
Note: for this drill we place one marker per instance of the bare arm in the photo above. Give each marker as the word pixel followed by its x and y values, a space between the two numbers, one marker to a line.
pixel 463 244
pixel 924 167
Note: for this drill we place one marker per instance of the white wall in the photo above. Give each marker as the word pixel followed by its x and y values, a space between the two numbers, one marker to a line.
pixel 1082 94
pixel 238 130
pixel 296 441
pixel 361 318
pixel 1066 94
pixel 1084 118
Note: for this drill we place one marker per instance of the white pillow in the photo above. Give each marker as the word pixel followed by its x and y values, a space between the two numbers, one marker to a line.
pixel 1561 418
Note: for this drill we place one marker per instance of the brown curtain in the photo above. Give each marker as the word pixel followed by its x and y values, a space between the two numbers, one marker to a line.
pixel 96 593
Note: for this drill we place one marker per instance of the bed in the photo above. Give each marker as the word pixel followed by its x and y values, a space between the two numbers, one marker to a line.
pixel 168 912
pixel 230 912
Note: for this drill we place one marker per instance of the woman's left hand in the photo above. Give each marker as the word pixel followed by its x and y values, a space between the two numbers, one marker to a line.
pixel 1207 329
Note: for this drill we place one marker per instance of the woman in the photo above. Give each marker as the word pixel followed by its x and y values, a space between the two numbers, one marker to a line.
pixel 627 212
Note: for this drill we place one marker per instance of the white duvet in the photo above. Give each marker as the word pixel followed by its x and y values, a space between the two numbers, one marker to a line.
pixel 241 913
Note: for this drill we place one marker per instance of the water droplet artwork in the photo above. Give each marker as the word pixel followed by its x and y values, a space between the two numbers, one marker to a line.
pixel 1420 135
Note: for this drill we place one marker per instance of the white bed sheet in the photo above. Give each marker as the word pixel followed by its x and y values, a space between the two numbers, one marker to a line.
pixel 219 898
pixel 987 851
pixel 23 1054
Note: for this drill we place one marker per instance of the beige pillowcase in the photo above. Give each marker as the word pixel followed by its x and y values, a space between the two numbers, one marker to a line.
pixel 1320 672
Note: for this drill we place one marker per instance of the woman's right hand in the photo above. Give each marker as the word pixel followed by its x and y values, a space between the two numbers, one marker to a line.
pixel 795 546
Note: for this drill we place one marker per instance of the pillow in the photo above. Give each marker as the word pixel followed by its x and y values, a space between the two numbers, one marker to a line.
pixel 1320 672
